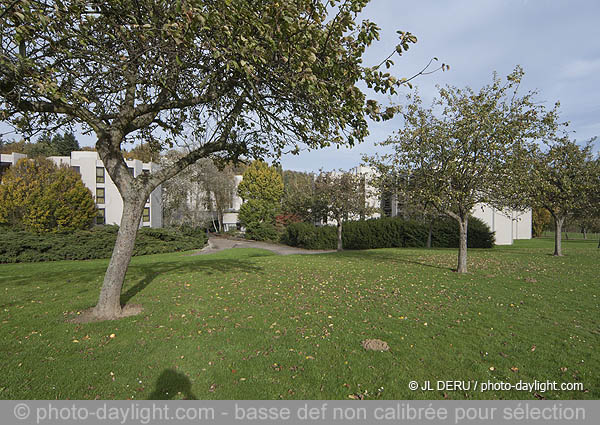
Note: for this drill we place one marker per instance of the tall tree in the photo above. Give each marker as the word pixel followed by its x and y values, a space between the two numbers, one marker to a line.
pixel 298 193
pixel 563 181
pixel 144 152
pixel 468 148
pixel 65 144
pixel 540 219
pixel 341 196
pixel 261 189
pixel 233 77
pixel 199 195
pixel 41 148
pixel 220 187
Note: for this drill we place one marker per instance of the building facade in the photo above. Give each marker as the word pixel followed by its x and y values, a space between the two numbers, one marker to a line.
pixel 8 160
pixel 107 197
pixel 231 215
pixel 508 225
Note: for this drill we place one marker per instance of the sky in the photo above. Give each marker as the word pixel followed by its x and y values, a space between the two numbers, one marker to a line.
pixel 557 42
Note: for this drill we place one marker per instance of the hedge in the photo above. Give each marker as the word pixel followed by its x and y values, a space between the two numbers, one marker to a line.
pixel 19 246
pixel 388 233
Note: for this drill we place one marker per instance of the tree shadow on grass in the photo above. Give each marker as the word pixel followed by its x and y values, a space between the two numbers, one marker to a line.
pixel 82 280
pixel 208 267
pixel 171 383
pixel 374 255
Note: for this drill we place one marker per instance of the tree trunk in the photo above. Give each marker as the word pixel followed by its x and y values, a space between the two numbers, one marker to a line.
pixel 462 245
pixel 558 222
pixel 584 233
pixel 220 219
pixel 429 234
pixel 339 236
pixel 109 302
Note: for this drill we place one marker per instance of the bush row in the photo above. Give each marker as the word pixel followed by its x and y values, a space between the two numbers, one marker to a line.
pixel 388 233
pixel 19 246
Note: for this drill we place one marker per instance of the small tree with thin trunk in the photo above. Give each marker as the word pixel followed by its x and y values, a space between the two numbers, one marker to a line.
pixel 563 180
pixel 198 195
pixel 468 148
pixel 226 78
pixel 341 196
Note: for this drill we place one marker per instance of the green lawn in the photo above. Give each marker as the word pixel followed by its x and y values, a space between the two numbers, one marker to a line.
pixel 245 323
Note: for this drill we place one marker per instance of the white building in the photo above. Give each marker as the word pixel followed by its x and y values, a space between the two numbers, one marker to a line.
pixel 8 160
pixel 508 225
pixel 231 215
pixel 105 192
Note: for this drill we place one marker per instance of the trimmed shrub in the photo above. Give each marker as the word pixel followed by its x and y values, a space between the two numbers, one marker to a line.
pixel 261 232
pixel 445 234
pixel 387 233
pixel 308 236
pixel 19 246
pixel 384 233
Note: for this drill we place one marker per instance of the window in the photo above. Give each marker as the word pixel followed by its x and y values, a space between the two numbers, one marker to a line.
pixel 131 171
pixel 146 216
pixel 100 218
pixel 99 174
pixel 4 166
pixel 100 195
pixel 76 168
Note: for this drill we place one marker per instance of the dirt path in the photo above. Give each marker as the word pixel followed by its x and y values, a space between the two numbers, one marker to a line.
pixel 216 244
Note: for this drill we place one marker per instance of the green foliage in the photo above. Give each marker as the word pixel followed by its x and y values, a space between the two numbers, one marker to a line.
pixel 261 188
pixel 540 219
pixel 281 73
pixel 144 152
pixel 261 182
pixel 565 179
pixel 258 218
pixel 42 197
pixel 467 148
pixel 341 195
pixel 446 235
pixel 260 231
pixel 309 236
pixel 388 233
pixel 44 146
pixel 65 144
pixel 19 246
pixel 298 194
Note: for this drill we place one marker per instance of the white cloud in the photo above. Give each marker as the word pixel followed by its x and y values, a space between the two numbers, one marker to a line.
pixel 581 68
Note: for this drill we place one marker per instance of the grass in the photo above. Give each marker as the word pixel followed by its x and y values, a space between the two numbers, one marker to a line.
pixel 571 235
pixel 246 323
